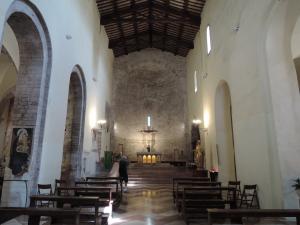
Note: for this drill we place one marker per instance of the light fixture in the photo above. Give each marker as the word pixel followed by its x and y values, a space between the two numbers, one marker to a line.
pixel 149 121
pixel 101 122
pixel 101 126
pixel 204 75
pixel 197 121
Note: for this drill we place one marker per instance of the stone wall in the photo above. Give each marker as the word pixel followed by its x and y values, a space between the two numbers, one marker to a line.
pixel 150 82
pixel 66 168
pixel 71 163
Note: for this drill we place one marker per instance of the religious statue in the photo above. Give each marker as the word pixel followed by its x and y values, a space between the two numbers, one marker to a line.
pixel 198 155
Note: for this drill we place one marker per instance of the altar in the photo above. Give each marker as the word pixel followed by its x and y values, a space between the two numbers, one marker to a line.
pixel 148 157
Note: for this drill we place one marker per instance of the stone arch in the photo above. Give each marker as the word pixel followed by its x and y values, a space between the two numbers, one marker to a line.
pixel 224 133
pixel 74 128
pixel 284 99
pixel 33 80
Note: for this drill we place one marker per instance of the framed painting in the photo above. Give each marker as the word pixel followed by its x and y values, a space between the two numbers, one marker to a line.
pixel 21 146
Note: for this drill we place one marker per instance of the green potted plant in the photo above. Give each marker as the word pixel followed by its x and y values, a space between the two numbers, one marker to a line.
pixel 296 185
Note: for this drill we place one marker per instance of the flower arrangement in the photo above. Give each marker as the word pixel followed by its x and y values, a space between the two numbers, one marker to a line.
pixel 214 170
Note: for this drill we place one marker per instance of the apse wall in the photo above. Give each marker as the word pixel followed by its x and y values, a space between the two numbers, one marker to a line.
pixel 150 83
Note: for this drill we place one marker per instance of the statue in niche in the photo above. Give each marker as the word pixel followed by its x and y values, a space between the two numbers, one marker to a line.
pixel 195 137
pixel 21 150
pixel 148 148
pixel 198 155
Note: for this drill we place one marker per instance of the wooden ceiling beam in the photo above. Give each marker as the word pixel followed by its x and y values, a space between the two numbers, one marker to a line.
pixel 120 26
pixel 135 26
pixel 191 18
pixel 154 20
pixel 186 2
pixel 167 3
pixel 150 24
pixel 158 35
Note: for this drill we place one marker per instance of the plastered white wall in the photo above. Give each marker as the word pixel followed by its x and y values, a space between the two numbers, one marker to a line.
pixel 238 31
pixel 284 93
pixel 87 48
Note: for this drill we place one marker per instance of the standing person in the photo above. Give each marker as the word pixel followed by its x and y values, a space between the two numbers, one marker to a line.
pixel 123 165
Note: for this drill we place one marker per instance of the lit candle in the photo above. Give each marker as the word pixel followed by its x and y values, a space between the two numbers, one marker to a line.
pixel 149 121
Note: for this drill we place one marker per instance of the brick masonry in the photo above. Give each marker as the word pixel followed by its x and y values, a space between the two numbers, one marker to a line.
pixel 71 165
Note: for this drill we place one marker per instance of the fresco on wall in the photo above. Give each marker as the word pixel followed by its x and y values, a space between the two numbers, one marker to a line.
pixel 20 150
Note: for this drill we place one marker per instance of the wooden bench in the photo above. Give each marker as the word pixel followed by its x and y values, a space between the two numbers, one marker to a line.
pixel 196 201
pixel 74 201
pixel 184 184
pixel 102 178
pixel 104 193
pixel 258 213
pixel 175 180
pixel 116 193
pixel 35 214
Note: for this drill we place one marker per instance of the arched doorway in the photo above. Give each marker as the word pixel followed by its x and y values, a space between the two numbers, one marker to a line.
pixel 224 133
pixel 33 54
pixel 74 128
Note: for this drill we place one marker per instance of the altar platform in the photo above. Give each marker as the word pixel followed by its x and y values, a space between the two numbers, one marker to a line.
pixel 148 157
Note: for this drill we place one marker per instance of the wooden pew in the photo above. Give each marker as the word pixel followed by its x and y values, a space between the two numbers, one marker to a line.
pixel 258 213
pixel 116 193
pixel 175 180
pixel 184 184
pixel 74 201
pixel 103 193
pixel 35 214
pixel 102 178
pixel 196 200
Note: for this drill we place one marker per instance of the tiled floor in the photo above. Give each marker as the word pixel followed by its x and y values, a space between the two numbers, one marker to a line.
pixel 152 205
pixel 149 199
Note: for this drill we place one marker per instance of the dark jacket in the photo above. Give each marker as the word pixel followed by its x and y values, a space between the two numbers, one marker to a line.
pixel 123 164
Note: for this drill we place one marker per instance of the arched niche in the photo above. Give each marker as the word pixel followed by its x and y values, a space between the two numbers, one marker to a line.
pixel 8 76
pixel 31 94
pixel 74 128
pixel 224 133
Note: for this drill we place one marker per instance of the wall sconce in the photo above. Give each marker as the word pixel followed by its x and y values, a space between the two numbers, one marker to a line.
pixel 102 123
pixel 197 121
pixel 204 75
pixel 101 126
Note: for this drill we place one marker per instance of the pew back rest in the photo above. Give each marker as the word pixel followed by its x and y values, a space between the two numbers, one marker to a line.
pixel 258 213
pixel 98 184
pixel 45 189
pixel 175 180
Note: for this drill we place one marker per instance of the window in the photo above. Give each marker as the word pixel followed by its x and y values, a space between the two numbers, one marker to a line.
pixel 208 40
pixel 195 81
